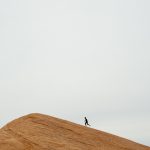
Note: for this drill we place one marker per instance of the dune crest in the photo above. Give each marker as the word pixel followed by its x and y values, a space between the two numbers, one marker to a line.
pixel 42 132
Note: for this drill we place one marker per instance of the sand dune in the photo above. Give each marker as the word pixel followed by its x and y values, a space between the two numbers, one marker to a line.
pixel 42 132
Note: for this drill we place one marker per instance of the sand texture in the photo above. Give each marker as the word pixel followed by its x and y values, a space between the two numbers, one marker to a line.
pixel 42 132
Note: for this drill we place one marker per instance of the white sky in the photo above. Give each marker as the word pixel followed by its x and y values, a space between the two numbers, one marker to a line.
pixel 76 58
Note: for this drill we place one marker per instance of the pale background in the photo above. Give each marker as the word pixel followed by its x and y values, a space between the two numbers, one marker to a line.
pixel 76 58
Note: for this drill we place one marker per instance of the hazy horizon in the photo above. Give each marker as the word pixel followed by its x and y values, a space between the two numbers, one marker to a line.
pixel 72 59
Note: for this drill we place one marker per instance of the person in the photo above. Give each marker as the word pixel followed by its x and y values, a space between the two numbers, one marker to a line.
pixel 86 121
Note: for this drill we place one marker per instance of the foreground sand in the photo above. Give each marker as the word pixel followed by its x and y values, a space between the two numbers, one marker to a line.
pixel 42 132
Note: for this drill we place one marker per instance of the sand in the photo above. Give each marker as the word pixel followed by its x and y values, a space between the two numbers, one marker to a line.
pixel 42 132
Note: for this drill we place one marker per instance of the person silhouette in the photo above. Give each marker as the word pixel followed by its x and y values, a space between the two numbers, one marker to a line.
pixel 86 121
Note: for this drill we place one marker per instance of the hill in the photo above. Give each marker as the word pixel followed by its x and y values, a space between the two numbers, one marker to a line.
pixel 42 132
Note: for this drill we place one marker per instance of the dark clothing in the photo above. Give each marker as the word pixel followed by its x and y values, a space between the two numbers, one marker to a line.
pixel 86 122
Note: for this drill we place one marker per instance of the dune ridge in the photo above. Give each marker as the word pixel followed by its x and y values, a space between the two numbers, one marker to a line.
pixel 42 132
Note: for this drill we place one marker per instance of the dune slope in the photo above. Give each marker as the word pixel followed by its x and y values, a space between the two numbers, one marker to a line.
pixel 42 132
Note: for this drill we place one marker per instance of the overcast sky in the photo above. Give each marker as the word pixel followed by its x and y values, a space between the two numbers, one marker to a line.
pixel 76 58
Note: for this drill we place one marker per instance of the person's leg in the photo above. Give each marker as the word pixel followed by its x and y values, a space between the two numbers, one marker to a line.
pixel 86 123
